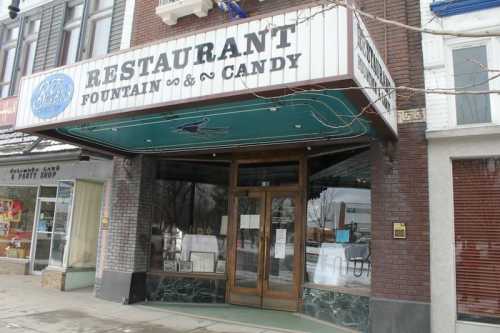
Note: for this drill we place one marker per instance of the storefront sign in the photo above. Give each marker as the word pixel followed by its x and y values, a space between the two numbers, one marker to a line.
pixel 44 172
pixel 8 111
pixel 260 54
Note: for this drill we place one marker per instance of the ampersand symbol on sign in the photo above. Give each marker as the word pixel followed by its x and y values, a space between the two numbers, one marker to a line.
pixel 189 81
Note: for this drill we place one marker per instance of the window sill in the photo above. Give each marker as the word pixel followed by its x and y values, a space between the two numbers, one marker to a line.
pixel 455 7
pixel 464 131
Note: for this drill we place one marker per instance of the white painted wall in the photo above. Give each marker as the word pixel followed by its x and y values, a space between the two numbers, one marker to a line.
pixel 442 151
pixel 447 141
pixel 438 62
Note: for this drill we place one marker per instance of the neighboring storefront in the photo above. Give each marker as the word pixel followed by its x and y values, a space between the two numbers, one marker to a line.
pixel 463 132
pixel 50 216
pixel 252 168
pixel 50 207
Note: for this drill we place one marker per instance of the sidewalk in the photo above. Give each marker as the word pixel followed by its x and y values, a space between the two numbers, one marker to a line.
pixel 26 307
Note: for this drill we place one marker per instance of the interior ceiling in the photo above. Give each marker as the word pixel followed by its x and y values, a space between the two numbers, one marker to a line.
pixel 299 117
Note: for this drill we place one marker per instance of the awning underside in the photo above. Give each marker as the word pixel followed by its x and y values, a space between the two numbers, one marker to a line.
pixel 300 117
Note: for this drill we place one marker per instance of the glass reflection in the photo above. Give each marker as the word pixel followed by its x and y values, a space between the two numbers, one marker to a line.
pixel 248 242
pixel 282 251
pixel 190 218
pixel 339 221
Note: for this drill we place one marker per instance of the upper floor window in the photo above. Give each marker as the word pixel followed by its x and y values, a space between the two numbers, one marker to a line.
pixel 71 34
pixel 7 59
pixel 470 68
pixel 100 27
pixel 29 46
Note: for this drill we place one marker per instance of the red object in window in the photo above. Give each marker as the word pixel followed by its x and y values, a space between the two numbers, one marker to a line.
pixel 15 209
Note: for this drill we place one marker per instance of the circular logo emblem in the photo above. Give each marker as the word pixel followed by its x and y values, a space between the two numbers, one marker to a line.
pixel 52 96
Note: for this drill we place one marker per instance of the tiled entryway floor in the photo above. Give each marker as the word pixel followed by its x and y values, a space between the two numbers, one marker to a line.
pixel 280 320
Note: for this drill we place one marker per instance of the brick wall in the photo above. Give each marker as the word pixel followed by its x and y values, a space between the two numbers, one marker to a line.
pixel 400 194
pixel 131 214
pixel 404 59
pixel 149 27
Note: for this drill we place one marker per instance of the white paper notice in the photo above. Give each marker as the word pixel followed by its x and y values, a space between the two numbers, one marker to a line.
pixel 281 236
pixel 223 225
pixel 255 222
pixel 245 221
pixel 279 250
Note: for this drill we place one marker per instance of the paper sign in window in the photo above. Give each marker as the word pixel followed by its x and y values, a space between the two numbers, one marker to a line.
pixel 249 221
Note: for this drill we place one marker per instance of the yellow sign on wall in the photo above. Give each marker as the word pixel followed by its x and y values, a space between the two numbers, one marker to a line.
pixel 399 231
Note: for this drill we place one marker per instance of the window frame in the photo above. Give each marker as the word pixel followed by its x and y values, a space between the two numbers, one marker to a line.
pixel 491 50
pixel 95 15
pixel 28 39
pixel 5 46
pixel 70 25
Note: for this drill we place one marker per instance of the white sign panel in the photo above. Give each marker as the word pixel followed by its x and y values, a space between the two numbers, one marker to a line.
pixel 299 47
pixel 262 53
pixel 371 73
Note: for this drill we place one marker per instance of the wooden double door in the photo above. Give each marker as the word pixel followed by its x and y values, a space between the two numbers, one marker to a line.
pixel 265 252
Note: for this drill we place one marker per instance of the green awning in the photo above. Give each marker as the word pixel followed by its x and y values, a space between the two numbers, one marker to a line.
pixel 300 117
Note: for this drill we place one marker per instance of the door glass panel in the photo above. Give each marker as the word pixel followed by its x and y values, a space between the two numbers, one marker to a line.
pixel 64 197
pixel 248 241
pixel 281 246
pixel 43 234
pixel 57 253
pixel 42 251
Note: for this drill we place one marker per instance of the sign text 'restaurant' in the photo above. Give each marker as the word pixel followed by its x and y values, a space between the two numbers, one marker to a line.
pixel 179 59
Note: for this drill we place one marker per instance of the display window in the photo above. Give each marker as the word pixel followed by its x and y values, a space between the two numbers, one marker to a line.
pixel 17 212
pixel 190 219
pixel 338 231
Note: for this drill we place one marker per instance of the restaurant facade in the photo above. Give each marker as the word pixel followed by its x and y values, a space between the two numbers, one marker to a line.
pixel 262 161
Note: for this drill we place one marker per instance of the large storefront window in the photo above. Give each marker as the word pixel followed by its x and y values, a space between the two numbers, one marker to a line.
pixel 17 212
pixel 339 221
pixel 190 219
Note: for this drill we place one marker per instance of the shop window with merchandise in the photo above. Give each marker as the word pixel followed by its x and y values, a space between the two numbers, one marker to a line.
pixel 17 212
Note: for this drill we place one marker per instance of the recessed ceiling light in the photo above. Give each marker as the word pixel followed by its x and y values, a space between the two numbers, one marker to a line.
pixel 149 140
pixel 298 126
pixel 114 129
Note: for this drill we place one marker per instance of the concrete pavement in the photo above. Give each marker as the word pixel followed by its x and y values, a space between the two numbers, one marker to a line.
pixel 26 307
